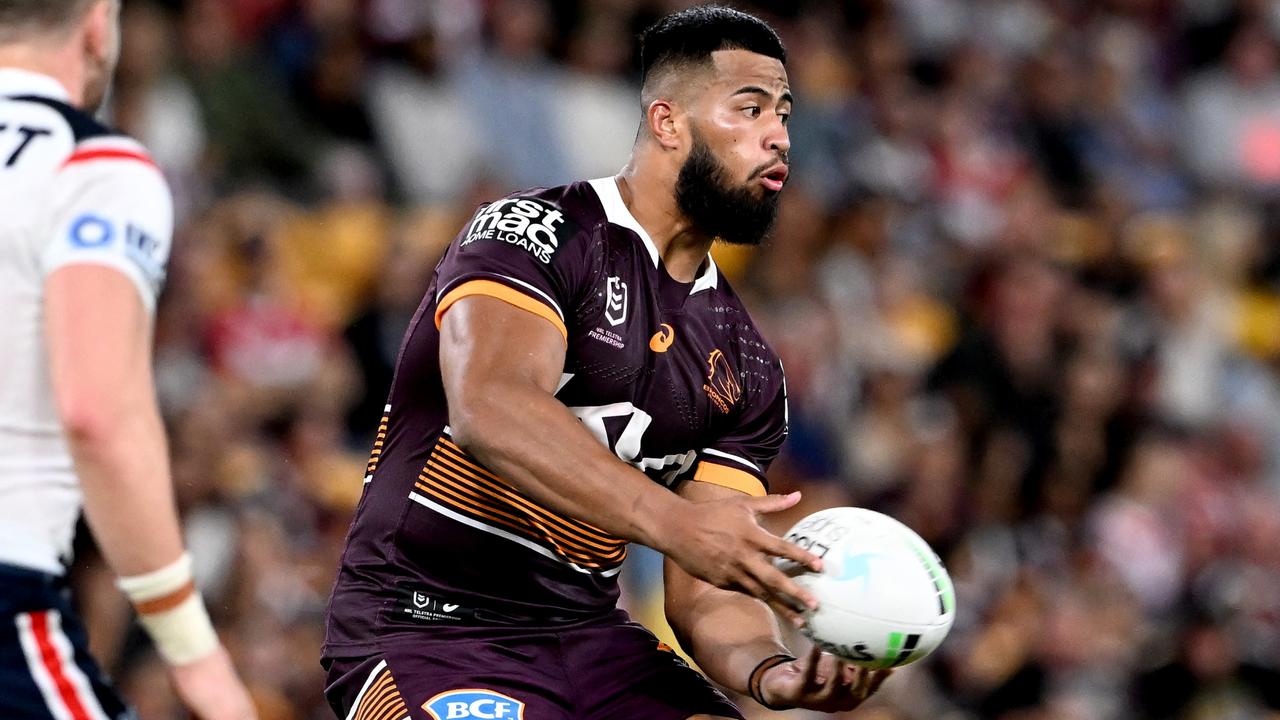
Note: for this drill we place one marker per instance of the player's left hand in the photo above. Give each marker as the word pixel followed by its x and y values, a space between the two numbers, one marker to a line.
pixel 821 682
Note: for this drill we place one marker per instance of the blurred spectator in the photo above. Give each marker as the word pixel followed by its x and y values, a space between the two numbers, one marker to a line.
pixel 430 133
pixel 1232 136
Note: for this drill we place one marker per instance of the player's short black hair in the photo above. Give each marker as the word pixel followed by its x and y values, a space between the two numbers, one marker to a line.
pixel 690 36
pixel 19 15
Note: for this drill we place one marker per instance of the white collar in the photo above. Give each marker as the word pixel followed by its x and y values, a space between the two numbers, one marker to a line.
pixel 16 81
pixel 616 212
pixel 709 278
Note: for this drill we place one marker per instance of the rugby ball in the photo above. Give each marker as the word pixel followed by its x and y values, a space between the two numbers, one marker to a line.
pixel 884 598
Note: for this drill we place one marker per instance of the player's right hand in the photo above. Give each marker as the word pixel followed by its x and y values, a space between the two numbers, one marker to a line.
pixel 820 682
pixel 210 688
pixel 721 542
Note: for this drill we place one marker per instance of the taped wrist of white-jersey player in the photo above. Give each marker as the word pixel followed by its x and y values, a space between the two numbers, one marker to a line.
pixel 172 612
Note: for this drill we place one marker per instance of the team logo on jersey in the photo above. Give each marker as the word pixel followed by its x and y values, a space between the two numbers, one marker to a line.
pixel 662 339
pixel 474 703
pixel 534 225
pixel 615 301
pixel 722 385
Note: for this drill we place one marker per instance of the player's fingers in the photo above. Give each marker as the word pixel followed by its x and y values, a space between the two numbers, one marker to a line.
pixel 862 688
pixel 847 676
pixel 828 670
pixel 878 678
pixel 784 588
pixel 773 503
pixel 747 584
pixel 810 677
pixel 777 547
pixel 784 611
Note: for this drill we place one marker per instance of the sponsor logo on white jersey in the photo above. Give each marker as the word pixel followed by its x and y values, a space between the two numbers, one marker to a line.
pixel 530 224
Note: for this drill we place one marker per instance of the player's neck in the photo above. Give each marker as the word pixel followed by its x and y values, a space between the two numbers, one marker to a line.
pixel 653 204
pixel 54 62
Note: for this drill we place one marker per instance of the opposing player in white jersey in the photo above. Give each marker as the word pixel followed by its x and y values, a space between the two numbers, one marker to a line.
pixel 85 226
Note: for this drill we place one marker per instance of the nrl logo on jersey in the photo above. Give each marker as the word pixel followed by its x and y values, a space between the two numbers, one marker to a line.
pixel 531 224
pixel 615 301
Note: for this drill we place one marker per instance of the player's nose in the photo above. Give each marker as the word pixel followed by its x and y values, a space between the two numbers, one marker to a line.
pixel 778 141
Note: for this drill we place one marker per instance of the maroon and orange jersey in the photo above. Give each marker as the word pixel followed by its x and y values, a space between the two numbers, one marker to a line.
pixel 673 377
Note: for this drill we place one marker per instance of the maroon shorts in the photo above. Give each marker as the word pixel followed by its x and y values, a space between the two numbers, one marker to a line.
pixel 616 671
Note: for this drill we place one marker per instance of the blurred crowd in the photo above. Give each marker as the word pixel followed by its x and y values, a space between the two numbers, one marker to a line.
pixel 1025 282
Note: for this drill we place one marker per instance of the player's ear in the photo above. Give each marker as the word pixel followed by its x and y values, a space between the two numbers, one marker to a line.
pixel 100 28
pixel 664 123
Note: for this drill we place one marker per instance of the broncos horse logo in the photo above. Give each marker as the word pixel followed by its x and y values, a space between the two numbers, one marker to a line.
pixel 722 384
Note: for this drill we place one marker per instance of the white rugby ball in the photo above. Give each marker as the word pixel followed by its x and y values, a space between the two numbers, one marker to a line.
pixel 884 598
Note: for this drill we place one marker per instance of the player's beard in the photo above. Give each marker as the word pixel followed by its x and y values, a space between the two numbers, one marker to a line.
pixel 736 214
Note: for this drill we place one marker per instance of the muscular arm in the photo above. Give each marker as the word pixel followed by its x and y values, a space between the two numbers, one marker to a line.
pixel 727 633
pixel 99 338
pixel 501 366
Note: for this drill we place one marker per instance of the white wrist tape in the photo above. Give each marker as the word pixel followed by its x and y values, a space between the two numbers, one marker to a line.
pixel 171 611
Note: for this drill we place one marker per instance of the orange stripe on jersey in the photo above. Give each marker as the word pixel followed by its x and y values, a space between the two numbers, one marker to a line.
pixel 461 497
pixel 518 526
pixel 377 695
pixel 382 700
pixel 458 498
pixel 373 696
pixel 739 480
pixel 454 497
pixel 502 492
pixel 578 526
pixel 452 476
pixel 533 526
pixel 504 293
pixel 577 529
pixel 377 445
pixel 390 704
pixel 108 154
pixel 548 526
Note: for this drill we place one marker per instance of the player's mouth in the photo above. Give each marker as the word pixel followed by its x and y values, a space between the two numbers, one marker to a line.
pixel 775 177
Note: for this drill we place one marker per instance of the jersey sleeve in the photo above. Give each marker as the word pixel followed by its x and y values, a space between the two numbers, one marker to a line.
pixel 740 458
pixel 112 207
pixel 523 251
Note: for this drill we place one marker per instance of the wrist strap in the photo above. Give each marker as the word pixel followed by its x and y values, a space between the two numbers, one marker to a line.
pixel 757 676
pixel 171 611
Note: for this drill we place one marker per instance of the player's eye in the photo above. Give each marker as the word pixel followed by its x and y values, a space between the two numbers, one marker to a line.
pixel 752 111
pixel 785 116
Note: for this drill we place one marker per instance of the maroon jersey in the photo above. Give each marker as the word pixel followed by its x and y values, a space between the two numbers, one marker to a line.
pixel 673 377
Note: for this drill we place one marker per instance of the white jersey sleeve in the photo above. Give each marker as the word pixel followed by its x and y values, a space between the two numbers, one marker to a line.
pixel 112 207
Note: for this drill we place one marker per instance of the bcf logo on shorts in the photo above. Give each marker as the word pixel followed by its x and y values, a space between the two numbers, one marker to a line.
pixel 472 703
